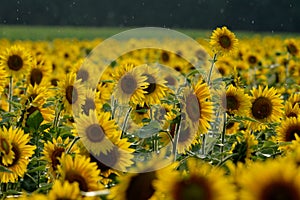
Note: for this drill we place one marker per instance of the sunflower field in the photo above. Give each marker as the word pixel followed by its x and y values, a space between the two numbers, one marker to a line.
pixel 207 118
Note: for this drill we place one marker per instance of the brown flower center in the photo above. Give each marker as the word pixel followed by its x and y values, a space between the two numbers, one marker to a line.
pixel 292 49
pixel 17 153
pixel 193 188
pixel 15 62
pixel 193 107
pixel 36 76
pixel 252 60
pixel 170 80
pixel 291 131
pixel 140 186
pixel 128 84
pixel 152 85
pixel 280 190
pixel 165 56
pixel 83 75
pixel 232 103
pixel 56 154
pixel 89 105
pixel 54 81
pixel 261 108
pixel 225 41
pixel 73 176
pixel 71 94
pixel 95 133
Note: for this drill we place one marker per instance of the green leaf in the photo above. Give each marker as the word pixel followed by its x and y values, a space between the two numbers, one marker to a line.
pixel 34 120
pixel 106 107
pixel 4 169
pixel 148 130
pixel 39 168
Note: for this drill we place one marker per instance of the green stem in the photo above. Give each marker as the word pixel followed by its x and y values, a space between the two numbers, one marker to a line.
pixel 176 139
pixel 10 93
pixel 213 61
pixel 223 134
pixel 203 145
pixel 125 122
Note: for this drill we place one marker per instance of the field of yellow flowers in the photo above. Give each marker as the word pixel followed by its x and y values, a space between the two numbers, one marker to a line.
pixel 213 118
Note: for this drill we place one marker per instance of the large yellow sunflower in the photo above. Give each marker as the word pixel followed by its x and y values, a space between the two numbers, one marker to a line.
pixel 130 85
pixel 79 169
pixel 202 181
pixel 22 152
pixel 235 101
pixel 97 132
pixel 273 179
pixel 266 108
pixel 223 41
pixel 72 93
pixel 16 60
pixel 64 190
pixel 197 107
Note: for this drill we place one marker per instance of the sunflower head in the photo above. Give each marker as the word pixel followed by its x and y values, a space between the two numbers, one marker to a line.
pixel 223 41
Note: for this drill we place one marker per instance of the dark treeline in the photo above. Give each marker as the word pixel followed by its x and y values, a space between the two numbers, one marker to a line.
pixel 254 15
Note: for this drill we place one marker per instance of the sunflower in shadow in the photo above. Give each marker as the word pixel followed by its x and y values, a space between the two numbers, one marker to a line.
pixel 81 170
pixel 22 151
pixel 266 108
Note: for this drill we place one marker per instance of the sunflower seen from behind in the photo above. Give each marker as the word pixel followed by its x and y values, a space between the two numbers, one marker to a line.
pixel 266 107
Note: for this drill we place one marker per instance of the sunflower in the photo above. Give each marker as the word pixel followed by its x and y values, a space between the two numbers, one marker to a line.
pixel 39 72
pixel 47 113
pixel 294 99
pixel 104 93
pixel 235 101
pixel 64 190
pixel 91 101
pixel 290 110
pixel 6 152
pixel 97 132
pixel 281 180
pixel 53 151
pixel 292 47
pixel 197 107
pixel 22 152
pixel 3 79
pixel 72 93
pixel 243 147
pixel 232 127
pixel 16 60
pixel 266 107
pixel 187 137
pixel 139 113
pixel 35 95
pixel 79 169
pixel 130 85
pixel 156 88
pixel 202 181
pixel 288 129
pixel 139 185
pixel 223 41
pixel 118 158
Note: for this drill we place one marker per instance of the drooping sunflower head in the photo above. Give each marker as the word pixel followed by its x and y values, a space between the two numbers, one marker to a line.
pixel 266 107
pixel 223 41
pixel 16 60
